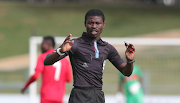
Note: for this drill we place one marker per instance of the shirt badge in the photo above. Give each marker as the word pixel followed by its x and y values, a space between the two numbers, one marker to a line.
pixel 85 65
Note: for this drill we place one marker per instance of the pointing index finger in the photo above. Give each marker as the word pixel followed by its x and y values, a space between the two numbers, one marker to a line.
pixel 68 37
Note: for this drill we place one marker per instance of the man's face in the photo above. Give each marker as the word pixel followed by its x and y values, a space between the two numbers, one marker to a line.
pixel 94 26
pixel 44 46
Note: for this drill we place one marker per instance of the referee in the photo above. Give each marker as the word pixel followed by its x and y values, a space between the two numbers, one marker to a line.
pixel 88 55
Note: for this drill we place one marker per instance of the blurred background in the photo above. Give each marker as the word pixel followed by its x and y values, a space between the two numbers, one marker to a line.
pixel 21 19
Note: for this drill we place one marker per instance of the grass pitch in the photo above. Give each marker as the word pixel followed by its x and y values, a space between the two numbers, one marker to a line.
pixel 19 21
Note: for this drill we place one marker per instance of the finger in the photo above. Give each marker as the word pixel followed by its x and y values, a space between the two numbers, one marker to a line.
pixel 129 49
pixel 131 46
pixel 66 42
pixel 71 43
pixel 68 37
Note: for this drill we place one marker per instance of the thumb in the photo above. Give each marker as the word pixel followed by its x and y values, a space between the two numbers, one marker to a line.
pixel 71 43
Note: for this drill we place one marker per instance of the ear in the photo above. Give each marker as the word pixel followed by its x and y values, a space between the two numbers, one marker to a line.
pixel 85 23
pixel 103 24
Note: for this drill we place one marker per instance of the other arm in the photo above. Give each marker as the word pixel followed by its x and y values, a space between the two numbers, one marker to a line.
pixel 38 71
pixel 31 79
pixel 126 68
pixel 53 57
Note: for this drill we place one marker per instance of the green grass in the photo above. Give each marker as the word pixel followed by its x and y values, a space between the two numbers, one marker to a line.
pixel 19 21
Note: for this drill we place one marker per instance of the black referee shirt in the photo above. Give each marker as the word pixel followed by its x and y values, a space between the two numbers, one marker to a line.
pixel 88 60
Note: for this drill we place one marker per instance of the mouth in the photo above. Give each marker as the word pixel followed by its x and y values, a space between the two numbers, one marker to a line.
pixel 94 32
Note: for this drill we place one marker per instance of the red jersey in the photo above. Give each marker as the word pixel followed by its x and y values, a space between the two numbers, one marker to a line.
pixel 54 78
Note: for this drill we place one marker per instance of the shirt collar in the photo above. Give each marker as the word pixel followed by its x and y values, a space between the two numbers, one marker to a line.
pixel 87 38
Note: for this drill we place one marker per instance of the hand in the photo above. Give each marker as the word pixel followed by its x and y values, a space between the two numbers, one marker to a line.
pixel 119 97
pixel 67 44
pixel 23 90
pixel 130 52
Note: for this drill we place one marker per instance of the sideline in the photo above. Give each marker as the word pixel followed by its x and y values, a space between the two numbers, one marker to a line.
pixel 20 98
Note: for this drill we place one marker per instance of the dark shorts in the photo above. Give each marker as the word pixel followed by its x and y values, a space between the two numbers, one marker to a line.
pixel 86 95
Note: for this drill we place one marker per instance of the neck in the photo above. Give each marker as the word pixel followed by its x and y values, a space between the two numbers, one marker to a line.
pixel 97 38
pixel 94 38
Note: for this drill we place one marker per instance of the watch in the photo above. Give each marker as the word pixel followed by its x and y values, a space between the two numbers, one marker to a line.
pixel 130 62
pixel 58 51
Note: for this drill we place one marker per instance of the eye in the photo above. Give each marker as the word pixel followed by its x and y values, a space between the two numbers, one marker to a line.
pixel 90 23
pixel 97 23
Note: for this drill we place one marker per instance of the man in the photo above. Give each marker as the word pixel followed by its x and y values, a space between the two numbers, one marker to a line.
pixel 54 76
pixel 131 86
pixel 88 54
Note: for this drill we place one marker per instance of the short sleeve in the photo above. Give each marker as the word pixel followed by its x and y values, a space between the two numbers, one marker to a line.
pixel 40 64
pixel 114 57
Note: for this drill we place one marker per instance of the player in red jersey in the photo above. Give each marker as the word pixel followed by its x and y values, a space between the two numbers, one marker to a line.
pixel 54 76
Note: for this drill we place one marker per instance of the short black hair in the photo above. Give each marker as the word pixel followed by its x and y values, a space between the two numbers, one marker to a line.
pixel 94 12
pixel 50 38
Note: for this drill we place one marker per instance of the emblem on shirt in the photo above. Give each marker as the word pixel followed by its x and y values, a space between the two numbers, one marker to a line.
pixel 85 65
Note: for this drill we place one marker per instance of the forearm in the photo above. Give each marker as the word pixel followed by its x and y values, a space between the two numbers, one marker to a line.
pixel 51 58
pixel 32 79
pixel 129 53
pixel 128 69
pixel 120 87
pixel 60 52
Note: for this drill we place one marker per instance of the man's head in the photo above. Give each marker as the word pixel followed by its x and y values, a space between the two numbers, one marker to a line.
pixel 47 44
pixel 94 22
pixel 95 12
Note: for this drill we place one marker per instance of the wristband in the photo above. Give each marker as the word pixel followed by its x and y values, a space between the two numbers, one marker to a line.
pixel 58 51
pixel 130 62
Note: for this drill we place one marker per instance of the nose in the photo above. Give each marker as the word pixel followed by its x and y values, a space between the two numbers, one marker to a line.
pixel 94 25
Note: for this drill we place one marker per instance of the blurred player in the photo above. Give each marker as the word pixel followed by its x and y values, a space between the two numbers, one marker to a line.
pixel 131 86
pixel 54 76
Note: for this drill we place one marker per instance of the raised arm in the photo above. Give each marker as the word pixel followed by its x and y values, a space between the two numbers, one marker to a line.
pixel 53 57
pixel 126 68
